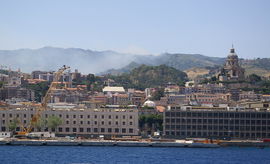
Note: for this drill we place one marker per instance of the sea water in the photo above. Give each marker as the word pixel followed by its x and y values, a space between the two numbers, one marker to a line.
pixel 130 155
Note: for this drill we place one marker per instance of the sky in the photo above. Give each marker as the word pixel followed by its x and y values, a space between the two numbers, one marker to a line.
pixel 207 27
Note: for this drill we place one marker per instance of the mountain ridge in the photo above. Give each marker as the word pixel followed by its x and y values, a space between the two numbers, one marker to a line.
pixel 50 58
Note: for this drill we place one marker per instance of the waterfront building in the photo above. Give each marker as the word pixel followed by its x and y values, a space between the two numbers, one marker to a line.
pixel 109 121
pixel 220 123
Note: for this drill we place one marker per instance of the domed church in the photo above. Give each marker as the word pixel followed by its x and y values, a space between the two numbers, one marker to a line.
pixel 231 70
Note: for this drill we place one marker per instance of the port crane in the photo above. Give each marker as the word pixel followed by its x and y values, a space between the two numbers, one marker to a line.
pixel 45 100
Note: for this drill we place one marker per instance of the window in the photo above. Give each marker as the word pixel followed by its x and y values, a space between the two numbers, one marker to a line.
pixel 102 130
pixel 81 129
pixel 130 117
pixel 67 116
pixel 109 122
pixel 74 130
pixel 102 122
pixel 95 116
pixel 88 116
pixel 130 130
pixel 95 130
pixel 88 129
pixel 124 117
pixel 123 130
pixel 116 130
pixel 88 122
pixel 95 122
pixel 3 128
pixel 102 116
pixel 74 116
pixel 130 123
pixel 110 116
pixel 67 122
pixel 81 122
pixel 60 129
pixel 116 122
pixel 74 122
pixel 109 130
pixel 10 115
pixel 81 116
pixel 124 123
pixel 116 117
pixel 67 129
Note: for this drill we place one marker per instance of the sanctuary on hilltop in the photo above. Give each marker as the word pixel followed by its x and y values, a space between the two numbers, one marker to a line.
pixel 231 70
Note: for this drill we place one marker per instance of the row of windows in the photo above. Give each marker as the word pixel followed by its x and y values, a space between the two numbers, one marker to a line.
pixel 96 122
pixel 88 130
pixel 217 128
pixel 82 122
pixel 71 116
pixel 218 114
pixel 218 134
pixel 216 121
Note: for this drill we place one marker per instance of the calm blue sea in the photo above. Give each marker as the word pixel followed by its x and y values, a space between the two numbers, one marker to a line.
pixel 129 155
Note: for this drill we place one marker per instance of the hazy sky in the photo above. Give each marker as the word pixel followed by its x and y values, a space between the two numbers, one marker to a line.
pixel 207 27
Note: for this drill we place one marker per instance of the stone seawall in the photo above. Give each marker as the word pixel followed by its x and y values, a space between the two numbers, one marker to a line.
pixel 104 143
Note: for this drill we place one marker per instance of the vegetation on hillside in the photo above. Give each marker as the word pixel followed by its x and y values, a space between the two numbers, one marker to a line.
pixel 150 76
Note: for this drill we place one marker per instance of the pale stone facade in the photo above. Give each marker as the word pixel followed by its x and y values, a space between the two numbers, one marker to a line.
pixel 107 121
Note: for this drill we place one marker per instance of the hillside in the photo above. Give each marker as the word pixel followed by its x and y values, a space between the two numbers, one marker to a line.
pixel 177 61
pixel 259 66
pixel 150 76
pixel 51 58
pixel 88 61
pixel 110 62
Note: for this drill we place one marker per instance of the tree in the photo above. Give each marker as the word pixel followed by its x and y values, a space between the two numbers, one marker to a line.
pixel 152 122
pixel 1 84
pixel 158 94
pixel 253 78
pixel 53 122
pixel 13 124
pixel 41 124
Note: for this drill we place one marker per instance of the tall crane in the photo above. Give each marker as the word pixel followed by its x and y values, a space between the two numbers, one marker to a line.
pixel 44 102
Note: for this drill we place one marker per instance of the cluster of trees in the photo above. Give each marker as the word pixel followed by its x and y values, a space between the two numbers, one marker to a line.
pixel 51 122
pixel 151 122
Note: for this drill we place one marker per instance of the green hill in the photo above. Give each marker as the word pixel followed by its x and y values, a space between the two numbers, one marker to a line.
pixel 150 76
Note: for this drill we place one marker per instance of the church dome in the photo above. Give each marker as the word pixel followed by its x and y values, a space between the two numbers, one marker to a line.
pixel 232 53
pixel 149 103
